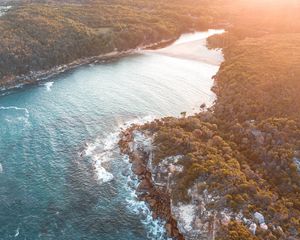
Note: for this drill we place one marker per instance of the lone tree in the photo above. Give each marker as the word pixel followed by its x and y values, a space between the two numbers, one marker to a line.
pixel 202 106
pixel 183 114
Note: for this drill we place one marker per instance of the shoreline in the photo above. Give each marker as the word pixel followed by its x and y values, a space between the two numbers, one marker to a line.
pixel 157 197
pixel 34 77
pixel 15 82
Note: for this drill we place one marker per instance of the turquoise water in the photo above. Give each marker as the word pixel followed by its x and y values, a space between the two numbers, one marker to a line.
pixel 61 174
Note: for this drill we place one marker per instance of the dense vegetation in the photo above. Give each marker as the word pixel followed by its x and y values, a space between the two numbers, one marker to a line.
pixel 245 149
pixel 37 35
pixel 40 34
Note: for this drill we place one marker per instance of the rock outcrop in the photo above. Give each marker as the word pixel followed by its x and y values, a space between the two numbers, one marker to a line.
pixel 138 148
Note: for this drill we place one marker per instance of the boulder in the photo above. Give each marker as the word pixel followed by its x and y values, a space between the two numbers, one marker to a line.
pixel 138 168
pixel 264 226
pixel 253 228
pixel 145 185
pixel 259 217
pixel 152 202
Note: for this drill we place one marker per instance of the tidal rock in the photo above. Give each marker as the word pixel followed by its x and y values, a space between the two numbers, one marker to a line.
pixel 145 185
pixel 152 202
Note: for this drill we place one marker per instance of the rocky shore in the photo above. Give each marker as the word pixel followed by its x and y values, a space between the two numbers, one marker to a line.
pixel 203 216
pixel 157 196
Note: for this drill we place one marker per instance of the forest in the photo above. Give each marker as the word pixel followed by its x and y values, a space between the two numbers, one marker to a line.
pixel 245 150
pixel 38 35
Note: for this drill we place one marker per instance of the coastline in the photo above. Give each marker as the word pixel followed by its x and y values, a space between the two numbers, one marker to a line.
pixel 225 138
pixel 34 77
pixel 157 197
pixel 230 170
pixel 14 82
pixel 154 185
pixel 140 215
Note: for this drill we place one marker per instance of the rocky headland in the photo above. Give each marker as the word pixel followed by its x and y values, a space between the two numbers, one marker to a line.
pixel 149 190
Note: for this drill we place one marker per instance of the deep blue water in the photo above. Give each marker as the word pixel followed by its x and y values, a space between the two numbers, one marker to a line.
pixel 61 174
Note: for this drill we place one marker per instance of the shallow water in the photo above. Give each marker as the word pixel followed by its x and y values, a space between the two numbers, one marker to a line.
pixel 61 174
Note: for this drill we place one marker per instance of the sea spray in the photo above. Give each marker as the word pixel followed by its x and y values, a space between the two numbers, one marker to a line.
pixel 4 9
pixel 155 227
pixel 102 151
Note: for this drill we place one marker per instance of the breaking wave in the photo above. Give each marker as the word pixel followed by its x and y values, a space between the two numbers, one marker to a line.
pixel 155 227
pixel 102 150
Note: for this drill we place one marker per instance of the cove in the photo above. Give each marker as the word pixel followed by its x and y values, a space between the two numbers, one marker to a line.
pixel 61 173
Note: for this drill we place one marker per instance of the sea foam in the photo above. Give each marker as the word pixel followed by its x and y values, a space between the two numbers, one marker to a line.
pixel 4 9
pixel 23 118
pixel 17 232
pixel 155 227
pixel 48 86
pixel 16 108
pixel 102 149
